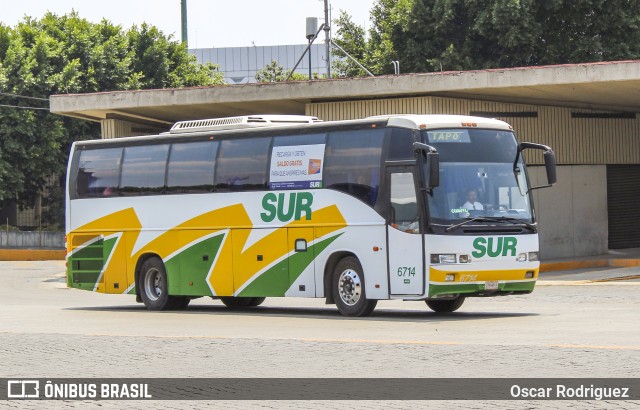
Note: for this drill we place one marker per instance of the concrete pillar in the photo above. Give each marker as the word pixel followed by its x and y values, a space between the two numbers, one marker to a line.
pixel 112 128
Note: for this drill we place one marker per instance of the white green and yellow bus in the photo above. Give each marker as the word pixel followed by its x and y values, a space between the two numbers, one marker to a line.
pixel 414 207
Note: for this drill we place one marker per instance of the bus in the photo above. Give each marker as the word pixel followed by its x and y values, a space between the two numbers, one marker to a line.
pixel 433 208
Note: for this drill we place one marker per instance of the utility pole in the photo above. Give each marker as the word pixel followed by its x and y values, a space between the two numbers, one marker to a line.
pixel 183 4
pixel 327 36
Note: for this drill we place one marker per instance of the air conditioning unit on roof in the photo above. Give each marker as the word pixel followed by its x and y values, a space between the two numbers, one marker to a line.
pixel 248 121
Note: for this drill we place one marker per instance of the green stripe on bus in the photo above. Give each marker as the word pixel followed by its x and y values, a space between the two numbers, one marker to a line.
pixel 478 287
pixel 86 263
pixel 191 266
pixel 273 282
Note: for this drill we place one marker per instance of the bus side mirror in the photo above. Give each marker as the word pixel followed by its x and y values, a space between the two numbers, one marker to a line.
pixel 550 166
pixel 549 163
pixel 431 164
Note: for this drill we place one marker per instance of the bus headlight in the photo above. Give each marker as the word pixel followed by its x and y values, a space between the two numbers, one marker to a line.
pixel 533 256
pixel 522 257
pixel 464 259
pixel 443 258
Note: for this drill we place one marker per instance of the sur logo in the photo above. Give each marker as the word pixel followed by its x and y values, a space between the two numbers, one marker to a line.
pixel 276 206
pixel 493 247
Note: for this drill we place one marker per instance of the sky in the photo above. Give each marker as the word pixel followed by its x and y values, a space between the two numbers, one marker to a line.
pixel 222 23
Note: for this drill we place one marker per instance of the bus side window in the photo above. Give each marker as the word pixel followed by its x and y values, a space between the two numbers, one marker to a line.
pixel 400 146
pixel 143 169
pixel 242 164
pixel 404 205
pixel 191 166
pixel 352 163
pixel 98 171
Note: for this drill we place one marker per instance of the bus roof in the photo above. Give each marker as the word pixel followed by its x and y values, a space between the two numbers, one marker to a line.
pixel 410 121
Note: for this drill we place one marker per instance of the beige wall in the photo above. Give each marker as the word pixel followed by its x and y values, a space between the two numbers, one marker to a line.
pixel 573 213
pixel 575 140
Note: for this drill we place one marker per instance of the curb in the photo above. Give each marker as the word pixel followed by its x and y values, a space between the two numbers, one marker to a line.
pixel 595 263
pixel 32 254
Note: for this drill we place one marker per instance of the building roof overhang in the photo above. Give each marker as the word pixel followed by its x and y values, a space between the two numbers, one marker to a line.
pixel 607 86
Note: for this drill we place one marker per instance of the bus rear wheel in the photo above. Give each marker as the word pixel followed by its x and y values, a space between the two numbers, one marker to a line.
pixel 241 302
pixel 348 289
pixel 154 289
pixel 445 306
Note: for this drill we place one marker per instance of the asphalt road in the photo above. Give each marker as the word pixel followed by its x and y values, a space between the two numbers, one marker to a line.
pixel 569 327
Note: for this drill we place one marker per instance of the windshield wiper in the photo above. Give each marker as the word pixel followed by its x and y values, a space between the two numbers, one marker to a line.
pixel 513 220
pixel 516 221
pixel 476 219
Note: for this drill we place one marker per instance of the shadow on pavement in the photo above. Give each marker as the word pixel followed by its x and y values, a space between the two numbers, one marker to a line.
pixel 386 315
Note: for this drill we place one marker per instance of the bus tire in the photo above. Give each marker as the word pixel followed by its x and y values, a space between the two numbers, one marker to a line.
pixel 154 289
pixel 445 306
pixel 257 301
pixel 239 302
pixel 348 289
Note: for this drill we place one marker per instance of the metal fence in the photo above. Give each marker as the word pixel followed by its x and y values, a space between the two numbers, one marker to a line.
pixel 32 240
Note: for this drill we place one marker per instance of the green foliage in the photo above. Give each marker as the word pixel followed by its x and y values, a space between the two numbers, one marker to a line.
pixel 69 54
pixel 440 35
pixel 274 72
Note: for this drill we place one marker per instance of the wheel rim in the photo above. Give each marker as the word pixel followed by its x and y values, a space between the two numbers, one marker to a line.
pixel 153 284
pixel 350 287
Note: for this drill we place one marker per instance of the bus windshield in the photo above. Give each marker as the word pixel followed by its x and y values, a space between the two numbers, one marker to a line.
pixel 477 178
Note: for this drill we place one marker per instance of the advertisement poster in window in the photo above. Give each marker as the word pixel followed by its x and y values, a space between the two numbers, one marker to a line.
pixel 296 167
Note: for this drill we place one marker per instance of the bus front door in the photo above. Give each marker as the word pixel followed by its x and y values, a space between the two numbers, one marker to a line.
pixel 405 250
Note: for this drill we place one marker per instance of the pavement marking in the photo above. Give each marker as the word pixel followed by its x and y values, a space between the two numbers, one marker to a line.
pixel 361 341
pixel 585 283
pixel 619 278
pixel 572 346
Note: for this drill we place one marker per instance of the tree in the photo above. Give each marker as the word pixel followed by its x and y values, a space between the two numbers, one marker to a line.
pixel 68 54
pixel 274 72
pixel 436 35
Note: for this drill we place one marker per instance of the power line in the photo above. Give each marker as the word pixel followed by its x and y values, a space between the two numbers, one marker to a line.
pixel 24 96
pixel 24 108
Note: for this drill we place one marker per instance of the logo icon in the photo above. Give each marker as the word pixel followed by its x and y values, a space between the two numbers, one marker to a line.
pixel 23 389
pixel 314 166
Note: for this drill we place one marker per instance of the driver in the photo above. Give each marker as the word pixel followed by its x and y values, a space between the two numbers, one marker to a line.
pixel 472 203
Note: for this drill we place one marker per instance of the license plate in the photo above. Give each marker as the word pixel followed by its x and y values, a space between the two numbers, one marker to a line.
pixel 492 285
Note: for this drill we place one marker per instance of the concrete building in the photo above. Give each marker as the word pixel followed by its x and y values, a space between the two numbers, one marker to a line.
pixel 587 112
pixel 240 64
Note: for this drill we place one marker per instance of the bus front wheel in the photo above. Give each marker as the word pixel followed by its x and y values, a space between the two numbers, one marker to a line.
pixel 154 289
pixel 445 306
pixel 348 289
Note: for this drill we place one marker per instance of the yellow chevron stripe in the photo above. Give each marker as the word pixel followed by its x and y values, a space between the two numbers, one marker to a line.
pixel 436 275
